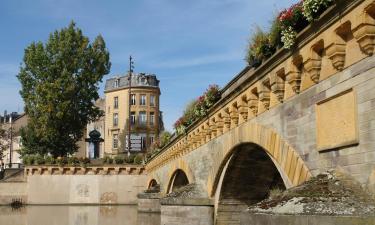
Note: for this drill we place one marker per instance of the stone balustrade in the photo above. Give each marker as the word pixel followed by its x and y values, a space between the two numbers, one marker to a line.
pixel 90 170
pixel 343 36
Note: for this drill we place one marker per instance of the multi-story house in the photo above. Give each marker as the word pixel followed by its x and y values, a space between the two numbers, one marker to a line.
pixel 145 116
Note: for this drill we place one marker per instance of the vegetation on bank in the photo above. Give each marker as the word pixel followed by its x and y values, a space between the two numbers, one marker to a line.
pixel 284 29
pixel 60 82
pixel 36 160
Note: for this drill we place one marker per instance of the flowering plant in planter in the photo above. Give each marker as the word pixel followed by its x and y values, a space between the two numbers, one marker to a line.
pixel 197 109
pixel 312 9
pixel 260 47
pixel 291 21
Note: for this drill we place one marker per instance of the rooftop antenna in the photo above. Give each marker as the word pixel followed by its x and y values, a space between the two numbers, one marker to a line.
pixel 131 67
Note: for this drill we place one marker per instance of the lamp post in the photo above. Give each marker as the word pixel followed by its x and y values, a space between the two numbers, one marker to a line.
pixel 130 102
pixel 11 142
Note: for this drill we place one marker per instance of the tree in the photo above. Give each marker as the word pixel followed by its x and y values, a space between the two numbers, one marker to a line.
pixel 59 86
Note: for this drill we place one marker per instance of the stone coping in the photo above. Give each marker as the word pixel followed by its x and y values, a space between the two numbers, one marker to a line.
pixel 89 170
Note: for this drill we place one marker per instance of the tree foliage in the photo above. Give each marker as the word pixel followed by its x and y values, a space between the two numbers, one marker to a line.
pixel 59 81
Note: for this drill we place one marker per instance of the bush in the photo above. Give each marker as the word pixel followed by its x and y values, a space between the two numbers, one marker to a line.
pixel 50 160
pixel 28 159
pixel 119 160
pixel 73 161
pixel 39 160
pixel 130 159
pixel 61 161
pixel 138 159
pixel 84 161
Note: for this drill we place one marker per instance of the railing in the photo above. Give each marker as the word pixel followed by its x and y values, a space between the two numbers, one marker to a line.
pixel 342 36
pixel 90 170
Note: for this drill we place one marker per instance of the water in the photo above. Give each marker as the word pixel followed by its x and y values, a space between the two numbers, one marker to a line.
pixel 77 215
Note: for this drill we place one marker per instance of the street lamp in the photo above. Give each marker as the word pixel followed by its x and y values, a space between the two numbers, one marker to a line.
pixel 131 66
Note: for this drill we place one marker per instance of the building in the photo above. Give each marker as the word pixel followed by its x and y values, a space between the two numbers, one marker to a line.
pixel 12 153
pixel 144 113
pixel 86 148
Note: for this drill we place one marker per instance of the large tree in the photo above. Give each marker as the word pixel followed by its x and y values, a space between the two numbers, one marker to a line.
pixel 60 80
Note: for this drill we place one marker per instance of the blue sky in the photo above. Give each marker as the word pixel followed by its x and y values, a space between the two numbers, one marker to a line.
pixel 187 44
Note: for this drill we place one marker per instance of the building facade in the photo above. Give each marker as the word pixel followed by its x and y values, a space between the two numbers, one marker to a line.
pixel 12 152
pixel 145 116
pixel 98 126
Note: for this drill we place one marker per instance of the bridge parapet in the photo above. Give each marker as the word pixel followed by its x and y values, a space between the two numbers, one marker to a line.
pixel 90 170
pixel 343 36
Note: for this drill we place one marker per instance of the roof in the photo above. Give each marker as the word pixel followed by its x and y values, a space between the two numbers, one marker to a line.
pixel 138 80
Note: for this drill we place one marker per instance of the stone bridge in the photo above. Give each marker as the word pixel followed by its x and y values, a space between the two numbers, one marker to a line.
pixel 300 113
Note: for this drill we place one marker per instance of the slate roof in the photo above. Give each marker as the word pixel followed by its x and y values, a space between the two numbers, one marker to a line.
pixel 138 80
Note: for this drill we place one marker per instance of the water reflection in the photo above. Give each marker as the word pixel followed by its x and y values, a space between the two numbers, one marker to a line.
pixel 77 215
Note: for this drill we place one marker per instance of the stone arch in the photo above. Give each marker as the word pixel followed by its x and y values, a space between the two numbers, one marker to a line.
pixel 152 183
pixel 289 164
pixel 178 165
pixel 177 180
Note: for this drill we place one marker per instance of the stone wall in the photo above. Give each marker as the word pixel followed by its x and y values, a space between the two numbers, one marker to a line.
pixel 85 189
pixel 10 191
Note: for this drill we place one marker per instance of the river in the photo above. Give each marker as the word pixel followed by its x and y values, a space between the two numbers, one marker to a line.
pixel 77 215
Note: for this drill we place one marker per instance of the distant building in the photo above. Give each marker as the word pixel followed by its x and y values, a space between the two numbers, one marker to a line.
pixel 145 115
pixel 86 148
pixel 17 122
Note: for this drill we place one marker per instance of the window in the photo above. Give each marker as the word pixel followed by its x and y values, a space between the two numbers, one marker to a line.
pixel 143 100
pixel 132 118
pixel 142 118
pixel 115 103
pixel 143 143
pixel 152 100
pixel 152 140
pixel 115 119
pixel 152 118
pixel 116 84
pixel 115 141
pixel 133 99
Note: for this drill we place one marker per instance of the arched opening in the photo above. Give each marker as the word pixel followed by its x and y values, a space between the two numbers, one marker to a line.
pixel 178 180
pixel 249 177
pixel 152 184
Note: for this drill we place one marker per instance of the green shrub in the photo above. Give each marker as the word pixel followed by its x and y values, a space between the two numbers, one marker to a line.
pixel 107 159
pixel 73 161
pixel 27 160
pixel 61 161
pixel 119 160
pixel 84 161
pixel 138 159
pixel 130 159
pixel 50 160
pixel 39 160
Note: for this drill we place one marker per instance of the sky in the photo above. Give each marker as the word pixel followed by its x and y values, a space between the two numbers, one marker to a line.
pixel 187 44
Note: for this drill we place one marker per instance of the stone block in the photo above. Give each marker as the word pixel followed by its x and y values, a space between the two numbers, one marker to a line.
pixel 336 119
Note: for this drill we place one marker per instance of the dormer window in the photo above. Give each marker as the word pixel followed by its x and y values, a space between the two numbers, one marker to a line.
pixel 116 84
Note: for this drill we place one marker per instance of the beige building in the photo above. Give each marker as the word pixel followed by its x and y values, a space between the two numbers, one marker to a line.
pixel 145 115
pixel 86 147
pixel 12 153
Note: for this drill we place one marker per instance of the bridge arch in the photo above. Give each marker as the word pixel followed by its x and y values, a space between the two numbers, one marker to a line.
pixel 152 183
pixel 177 180
pixel 289 164
pixel 181 166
